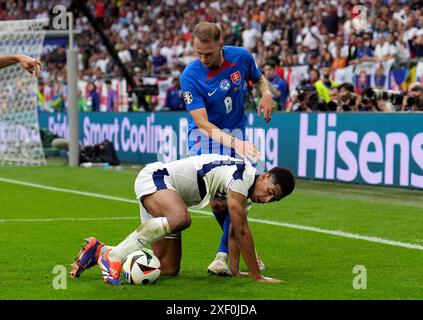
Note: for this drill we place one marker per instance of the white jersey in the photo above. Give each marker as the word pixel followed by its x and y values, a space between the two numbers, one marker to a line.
pixel 197 179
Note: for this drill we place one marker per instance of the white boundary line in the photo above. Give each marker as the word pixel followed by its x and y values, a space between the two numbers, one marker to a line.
pixel 81 193
pixel 338 233
pixel 66 219
pixel 78 219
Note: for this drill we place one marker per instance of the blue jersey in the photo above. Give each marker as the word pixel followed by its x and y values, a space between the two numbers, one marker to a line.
pixel 282 86
pixel 221 92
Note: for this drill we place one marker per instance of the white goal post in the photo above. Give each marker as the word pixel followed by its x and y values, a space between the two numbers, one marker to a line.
pixel 20 141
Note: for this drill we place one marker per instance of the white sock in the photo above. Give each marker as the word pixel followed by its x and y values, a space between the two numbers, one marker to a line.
pixel 104 248
pixel 127 246
pixel 222 256
pixel 150 231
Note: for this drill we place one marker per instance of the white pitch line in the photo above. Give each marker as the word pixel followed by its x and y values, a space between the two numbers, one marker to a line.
pixel 76 219
pixel 81 193
pixel 342 234
pixel 66 219
pixel 338 233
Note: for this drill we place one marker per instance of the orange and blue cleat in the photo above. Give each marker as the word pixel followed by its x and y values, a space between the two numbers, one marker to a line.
pixel 87 257
pixel 110 269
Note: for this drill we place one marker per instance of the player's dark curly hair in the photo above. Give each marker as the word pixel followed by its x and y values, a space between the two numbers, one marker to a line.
pixel 284 178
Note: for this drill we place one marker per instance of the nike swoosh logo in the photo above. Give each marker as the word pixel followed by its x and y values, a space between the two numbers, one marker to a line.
pixel 212 93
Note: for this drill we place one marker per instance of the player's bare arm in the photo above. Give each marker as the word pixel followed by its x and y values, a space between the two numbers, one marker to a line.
pixel 29 64
pixel 266 102
pixel 233 252
pixel 242 235
pixel 234 255
pixel 243 148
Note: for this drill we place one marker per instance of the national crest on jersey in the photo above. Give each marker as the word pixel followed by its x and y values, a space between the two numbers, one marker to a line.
pixel 236 78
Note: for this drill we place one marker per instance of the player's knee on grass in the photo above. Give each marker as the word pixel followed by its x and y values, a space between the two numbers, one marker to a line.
pixel 169 252
pixel 169 263
pixel 169 269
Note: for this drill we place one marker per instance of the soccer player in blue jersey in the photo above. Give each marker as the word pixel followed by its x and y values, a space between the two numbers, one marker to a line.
pixel 213 90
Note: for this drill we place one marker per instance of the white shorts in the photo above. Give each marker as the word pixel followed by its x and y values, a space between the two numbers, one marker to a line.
pixel 149 180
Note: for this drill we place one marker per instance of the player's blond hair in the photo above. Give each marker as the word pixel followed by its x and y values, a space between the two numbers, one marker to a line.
pixel 208 32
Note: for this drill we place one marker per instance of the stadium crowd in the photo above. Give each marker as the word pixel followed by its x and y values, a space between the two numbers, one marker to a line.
pixel 153 38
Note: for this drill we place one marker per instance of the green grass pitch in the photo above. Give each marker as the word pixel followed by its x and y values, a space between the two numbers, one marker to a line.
pixel 41 228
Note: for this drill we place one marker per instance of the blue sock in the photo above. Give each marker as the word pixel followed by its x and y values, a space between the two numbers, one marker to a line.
pixel 220 218
pixel 223 245
pixel 224 220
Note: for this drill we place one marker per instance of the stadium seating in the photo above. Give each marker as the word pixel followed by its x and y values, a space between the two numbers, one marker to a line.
pixel 155 41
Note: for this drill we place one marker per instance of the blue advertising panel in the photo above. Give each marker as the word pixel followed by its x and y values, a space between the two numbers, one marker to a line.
pixel 373 148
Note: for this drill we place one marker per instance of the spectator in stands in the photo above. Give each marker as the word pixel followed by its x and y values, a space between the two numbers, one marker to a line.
pixel 418 43
pixel 174 100
pixel 314 76
pixel 384 50
pixel 410 34
pixel 325 84
pixel 93 99
pixel 270 35
pixel 362 52
pixel 159 63
pixel 111 100
pixel 333 104
pixel 338 61
pixel 310 36
pixel 141 60
pixel 285 50
pixel 300 100
pixel 372 105
pixel 303 55
pixel 250 36
pixel 82 103
pixel 123 53
pixel 58 102
pixel 278 86
pixel 100 12
pixel 347 99
pixel 338 42
pixel 397 47
pixel 294 33
pixel 58 56
pixel 40 97
pixel 325 58
pixel 413 101
pixel 331 19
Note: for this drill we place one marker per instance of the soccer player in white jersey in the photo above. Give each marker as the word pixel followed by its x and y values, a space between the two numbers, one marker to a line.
pixel 165 191
pixel 31 65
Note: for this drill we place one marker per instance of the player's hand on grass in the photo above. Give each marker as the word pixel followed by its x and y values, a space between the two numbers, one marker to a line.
pixel 33 66
pixel 266 104
pixel 247 150
pixel 269 280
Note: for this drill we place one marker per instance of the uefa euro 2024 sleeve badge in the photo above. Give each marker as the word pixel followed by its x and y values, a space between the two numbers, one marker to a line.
pixel 188 97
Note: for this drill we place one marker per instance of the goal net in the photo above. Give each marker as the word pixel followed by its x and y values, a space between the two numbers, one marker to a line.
pixel 20 141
